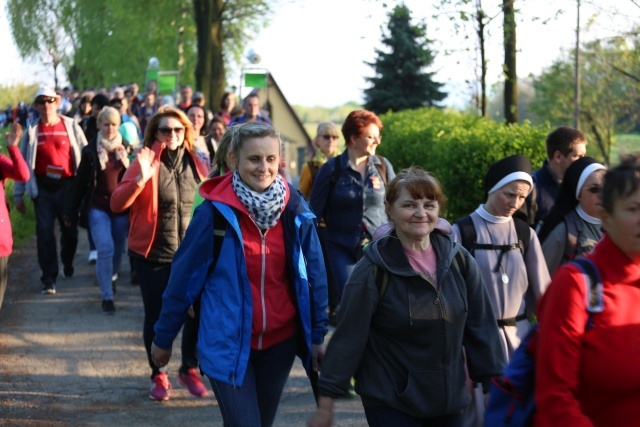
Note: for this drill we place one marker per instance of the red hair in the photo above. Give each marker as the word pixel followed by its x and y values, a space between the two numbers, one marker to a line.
pixel 356 122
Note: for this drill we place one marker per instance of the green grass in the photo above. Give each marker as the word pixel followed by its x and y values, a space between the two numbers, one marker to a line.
pixel 24 226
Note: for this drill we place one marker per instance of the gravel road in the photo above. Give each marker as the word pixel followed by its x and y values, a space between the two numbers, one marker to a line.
pixel 64 363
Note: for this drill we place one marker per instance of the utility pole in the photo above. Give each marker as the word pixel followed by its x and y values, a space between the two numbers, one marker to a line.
pixel 576 112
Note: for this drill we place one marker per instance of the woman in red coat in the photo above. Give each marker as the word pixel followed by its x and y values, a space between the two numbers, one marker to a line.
pixel 587 371
pixel 13 167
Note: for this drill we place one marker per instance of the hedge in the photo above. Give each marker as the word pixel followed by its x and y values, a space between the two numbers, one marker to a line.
pixel 458 149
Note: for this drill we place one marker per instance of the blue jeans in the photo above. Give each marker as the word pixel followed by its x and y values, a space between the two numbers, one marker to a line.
pixel 255 402
pixel 383 416
pixel 341 263
pixel 49 206
pixel 109 232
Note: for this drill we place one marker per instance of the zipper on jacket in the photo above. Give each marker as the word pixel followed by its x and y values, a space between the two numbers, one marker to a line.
pixel 443 322
pixel 263 250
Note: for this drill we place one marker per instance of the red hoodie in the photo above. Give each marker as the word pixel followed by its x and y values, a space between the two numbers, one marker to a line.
pixel 274 311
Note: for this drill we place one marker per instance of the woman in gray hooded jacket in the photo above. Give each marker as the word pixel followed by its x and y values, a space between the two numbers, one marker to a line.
pixel 408 308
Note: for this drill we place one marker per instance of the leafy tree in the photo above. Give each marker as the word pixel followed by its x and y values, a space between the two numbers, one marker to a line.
pixel 40 29
pixel 223 29
pixel 401 82
pixel 610 91
pixel 117 38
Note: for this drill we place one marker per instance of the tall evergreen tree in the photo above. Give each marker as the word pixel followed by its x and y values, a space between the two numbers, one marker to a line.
pixel 401 81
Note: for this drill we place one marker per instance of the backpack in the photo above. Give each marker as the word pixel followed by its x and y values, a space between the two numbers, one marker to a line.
pixel 468 237
pixel 511 399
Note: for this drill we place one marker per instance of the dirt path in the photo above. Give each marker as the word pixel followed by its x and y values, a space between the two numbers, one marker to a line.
pixel 64 363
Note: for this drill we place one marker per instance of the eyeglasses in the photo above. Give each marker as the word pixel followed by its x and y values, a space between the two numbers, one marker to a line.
pixel 596 189
pixel 166 131
pixel 328 137
pixel 373 137
pixel 42 101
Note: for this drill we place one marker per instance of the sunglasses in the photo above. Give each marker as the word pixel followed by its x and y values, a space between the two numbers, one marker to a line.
pixel 166 131
pixel 42 101
pixel 596 189
pixel 328 137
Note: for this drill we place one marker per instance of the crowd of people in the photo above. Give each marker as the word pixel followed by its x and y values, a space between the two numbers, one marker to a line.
pixel 253 270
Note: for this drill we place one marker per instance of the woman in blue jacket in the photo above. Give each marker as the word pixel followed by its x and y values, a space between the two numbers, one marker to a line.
pixel 263 292
pixel 348 193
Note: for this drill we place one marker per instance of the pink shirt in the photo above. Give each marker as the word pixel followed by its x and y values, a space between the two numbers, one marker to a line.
pixel 424 262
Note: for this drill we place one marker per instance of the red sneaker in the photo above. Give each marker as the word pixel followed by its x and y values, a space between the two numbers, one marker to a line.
pixel 192 382
pixel 160 387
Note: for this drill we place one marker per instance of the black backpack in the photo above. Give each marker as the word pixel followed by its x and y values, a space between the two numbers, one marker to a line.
pixel 469 237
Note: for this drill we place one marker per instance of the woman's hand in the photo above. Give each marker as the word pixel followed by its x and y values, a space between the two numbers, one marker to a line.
pixel 323 417
pixel 160 356
pixel 14 136
pixel 148 166
pixel 317 356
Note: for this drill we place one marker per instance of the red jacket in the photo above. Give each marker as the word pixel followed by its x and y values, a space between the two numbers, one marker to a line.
pixel 590 378
pixel 143 216
pixel 17 169
pixel 274 311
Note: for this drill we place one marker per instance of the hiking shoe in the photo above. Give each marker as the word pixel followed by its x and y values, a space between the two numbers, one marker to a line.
pixel 192 382
pixel 160 387
pixel 67 272
pixel 108 307
pixel 48 289
pixel 93 257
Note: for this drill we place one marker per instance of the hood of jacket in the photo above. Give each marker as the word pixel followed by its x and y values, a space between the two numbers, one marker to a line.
pixel 386 253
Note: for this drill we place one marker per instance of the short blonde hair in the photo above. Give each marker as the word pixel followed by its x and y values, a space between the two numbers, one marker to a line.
pixel 110 114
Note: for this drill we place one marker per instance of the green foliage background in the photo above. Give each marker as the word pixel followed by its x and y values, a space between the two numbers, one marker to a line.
pixel 458 149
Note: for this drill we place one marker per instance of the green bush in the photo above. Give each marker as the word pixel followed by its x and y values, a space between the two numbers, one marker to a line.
pixel 458 149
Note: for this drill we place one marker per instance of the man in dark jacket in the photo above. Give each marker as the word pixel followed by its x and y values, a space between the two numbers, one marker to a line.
pixel 565 145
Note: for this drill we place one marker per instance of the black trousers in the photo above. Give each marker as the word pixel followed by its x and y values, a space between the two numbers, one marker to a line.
pixel 154 278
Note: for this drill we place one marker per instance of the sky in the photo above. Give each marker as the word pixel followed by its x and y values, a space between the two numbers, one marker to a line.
pixel 317 50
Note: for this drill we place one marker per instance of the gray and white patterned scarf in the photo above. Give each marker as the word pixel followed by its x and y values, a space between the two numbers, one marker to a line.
pixel 265 208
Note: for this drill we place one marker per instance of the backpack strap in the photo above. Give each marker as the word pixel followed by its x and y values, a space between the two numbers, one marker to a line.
pixel 313 168
pixel 337 170
pixel 571 245
pixel 220 224
pixel 468 234
pixel 523 231
pixel 593 284
pixel 382 281
pixel 382 169
pixel 459 260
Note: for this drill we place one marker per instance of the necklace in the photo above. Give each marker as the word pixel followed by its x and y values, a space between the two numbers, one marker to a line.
pixel 498 267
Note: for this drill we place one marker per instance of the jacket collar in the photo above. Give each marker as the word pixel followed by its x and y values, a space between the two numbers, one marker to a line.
pixel 616 267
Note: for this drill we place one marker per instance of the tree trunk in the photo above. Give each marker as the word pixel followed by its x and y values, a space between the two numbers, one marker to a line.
pixel 483 63
pixel 210 69
pixel 511 77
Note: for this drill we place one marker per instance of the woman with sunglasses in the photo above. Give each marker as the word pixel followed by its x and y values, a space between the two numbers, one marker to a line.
pixel 326 144
pixel 159 187
pixel 572 227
